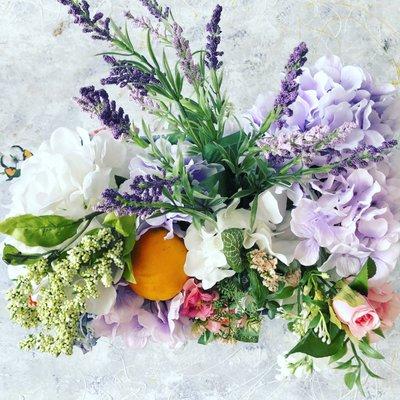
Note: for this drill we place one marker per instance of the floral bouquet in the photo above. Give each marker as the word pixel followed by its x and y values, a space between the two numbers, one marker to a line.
pixel 196 223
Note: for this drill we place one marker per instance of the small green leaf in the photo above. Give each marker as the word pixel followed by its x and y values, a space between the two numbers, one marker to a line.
pixel 350 379
pixel 13 256
pixel 360 282
pixel 250 333
pixel 369 351
pixel 344 365
pixel 233 245
pixel 45 230
pixel 371 373
pixel 379 332
pixel 284 293
pixel 206 337
pixel 257 290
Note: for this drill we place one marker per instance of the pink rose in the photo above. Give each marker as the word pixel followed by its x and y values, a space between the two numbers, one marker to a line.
pixel 386 303
pixel 197 303
pixel 354 310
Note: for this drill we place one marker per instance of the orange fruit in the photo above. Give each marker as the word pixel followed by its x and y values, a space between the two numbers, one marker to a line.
pixel 157 265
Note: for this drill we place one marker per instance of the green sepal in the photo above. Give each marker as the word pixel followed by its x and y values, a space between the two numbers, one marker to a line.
pixel 360 282
pixel 206 337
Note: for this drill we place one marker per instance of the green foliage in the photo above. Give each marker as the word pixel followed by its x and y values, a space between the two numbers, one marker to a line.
pixel 45 230
pixel 233 248
pixel 206 338
pixel 360 282
pixel 13 256
pixel 312 345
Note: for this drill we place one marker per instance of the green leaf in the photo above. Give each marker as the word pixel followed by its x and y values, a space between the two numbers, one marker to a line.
pixel 206 337
pixel 340 354
pixel 334 319
pixel 369 351
pixel 284 293
pixel 312 345
pixel 371 373
pixel 379 332
pixel 344 365
pixel 360 282
pixel 257 290
pixel 45 230
pixel 126 226
pixel 233 245
pixel 13 256
pixel 350 379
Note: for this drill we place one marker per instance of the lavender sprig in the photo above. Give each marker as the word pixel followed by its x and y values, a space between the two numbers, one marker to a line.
pixel 145 196
pixel 361 155
pixel 97 103
pixel 123 73
pixel 289 85
pixel 155 9
pixel 182 47
pixel 213 40
pixel 96 25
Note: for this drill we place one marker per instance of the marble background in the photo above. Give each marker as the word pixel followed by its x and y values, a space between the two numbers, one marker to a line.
pixel 44 60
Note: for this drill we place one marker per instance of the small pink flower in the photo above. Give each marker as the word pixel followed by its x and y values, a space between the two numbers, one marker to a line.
pixel 361 318
pixel 197 303
pixel 214 326
pixel 386 303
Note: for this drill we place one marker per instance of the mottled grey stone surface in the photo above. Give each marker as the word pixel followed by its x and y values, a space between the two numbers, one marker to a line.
pixel 44 60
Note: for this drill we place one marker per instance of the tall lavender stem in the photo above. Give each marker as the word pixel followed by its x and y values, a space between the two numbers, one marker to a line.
pixel 289 85
pixel 96 25
pixel 155 9
pixel 213 40
pixel 97 103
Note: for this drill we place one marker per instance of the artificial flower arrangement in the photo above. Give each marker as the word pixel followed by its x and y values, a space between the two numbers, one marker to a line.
pixel 202 224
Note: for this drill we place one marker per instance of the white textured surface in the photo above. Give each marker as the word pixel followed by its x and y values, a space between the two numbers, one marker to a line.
pixel 44 60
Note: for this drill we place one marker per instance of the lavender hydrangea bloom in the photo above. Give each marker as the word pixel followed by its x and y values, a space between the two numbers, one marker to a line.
pixel 182 48
pixel 97 102
pixel 123 74
pixel 213 40
pixel 96 25
pixel 354 218
pixel 139 321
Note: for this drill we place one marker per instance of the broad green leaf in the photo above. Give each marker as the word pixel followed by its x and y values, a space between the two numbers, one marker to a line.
pixel 312 345
pixel 284 293
pixel 257 290
pixel 340 354
pixel 350 379
pixel 369 351
pixel 45 230
pixel 233 245
pixel 360 282
pixel 13 256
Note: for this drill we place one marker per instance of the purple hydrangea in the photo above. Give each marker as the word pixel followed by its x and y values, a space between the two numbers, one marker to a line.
pixel 97 103
pixel 353 217
pixel 138 321
pixel 213 40
pixel 97 26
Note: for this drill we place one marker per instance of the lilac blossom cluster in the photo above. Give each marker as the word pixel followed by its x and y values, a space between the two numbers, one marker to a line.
pixel 96 25
pixel 144 196
pixel 138 321
pixel 97 103
pixel 155 9
pixel 123 74
pixel 182 48
pixel 289 84
pixel 213 40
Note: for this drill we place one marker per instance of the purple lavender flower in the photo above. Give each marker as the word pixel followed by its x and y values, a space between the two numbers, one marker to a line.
pixel 182 47
pixel 123 73
pixel 213 40
pixel 144 23
pixel 155 9
pixel 146 192
pixel 96 25
pixel 97 103
pixel 289 84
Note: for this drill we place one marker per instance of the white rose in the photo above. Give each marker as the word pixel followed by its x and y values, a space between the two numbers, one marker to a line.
pixel 68 173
